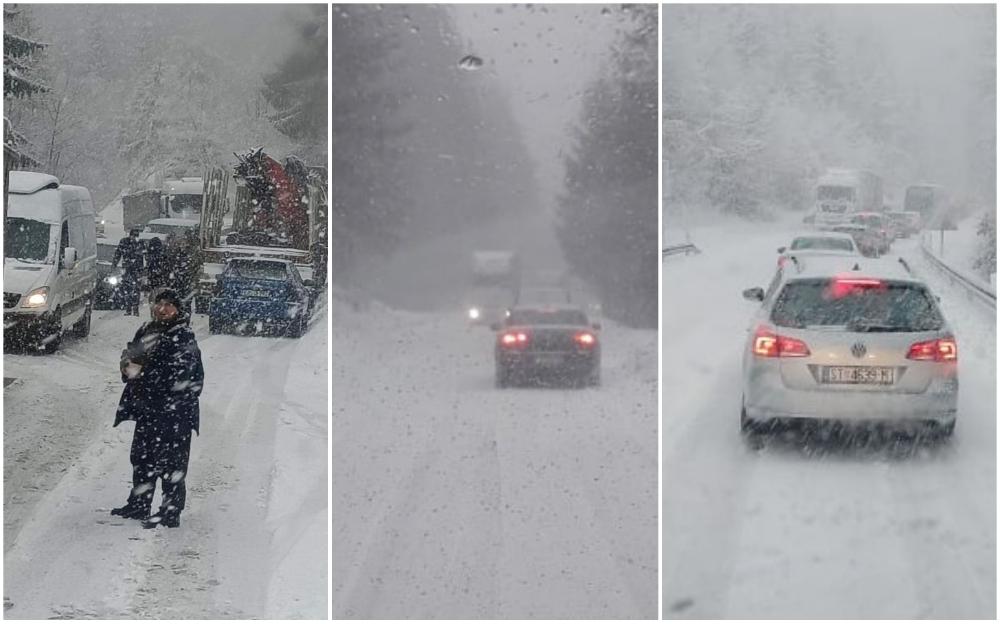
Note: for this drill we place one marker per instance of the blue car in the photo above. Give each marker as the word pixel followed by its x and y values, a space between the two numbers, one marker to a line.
pixel 266 291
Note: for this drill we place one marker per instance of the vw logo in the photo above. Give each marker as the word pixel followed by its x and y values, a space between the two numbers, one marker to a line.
pixel 858 350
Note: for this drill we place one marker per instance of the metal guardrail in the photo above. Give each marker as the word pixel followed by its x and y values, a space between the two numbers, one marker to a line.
pixel 674 250
pixel 976 290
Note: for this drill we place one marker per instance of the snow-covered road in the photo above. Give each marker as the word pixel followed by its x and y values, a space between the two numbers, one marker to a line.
pixel 786 533
pixel 453 499
pixel 253 539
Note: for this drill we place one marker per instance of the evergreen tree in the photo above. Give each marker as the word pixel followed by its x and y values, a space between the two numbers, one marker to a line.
pixel 608 214
pixel 297 89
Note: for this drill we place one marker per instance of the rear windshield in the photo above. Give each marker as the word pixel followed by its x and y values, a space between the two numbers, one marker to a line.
pixel 862 307
pixel 547 317
pixel 257 270
pixel 869 220
pixel 839 244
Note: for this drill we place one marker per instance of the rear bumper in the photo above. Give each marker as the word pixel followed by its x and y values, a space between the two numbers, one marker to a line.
pixel 766 400
pixel 567 361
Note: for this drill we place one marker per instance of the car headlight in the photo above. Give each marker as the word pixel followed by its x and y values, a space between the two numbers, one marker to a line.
pixel 37 297
pixel 113 280
pixel 473 313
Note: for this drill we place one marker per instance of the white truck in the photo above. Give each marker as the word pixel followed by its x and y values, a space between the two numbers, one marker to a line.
pixel 840 193
pixel 495 284
pixel 50 261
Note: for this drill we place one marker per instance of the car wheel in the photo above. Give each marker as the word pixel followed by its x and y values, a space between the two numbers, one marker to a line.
pixel 82 327
pixel 297 327
pixel 943 431
pixel 51 336
pixel 748 427
pixel 594 379
pixel 502 377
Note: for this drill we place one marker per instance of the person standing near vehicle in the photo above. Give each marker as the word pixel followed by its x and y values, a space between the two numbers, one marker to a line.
pixel 155 264
pixel 163 376
pixel 182 260
pixel 129 253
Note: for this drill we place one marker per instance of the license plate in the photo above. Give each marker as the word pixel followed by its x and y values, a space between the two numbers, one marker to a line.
pixel 255 294
pixel 549 359
pixel 872 375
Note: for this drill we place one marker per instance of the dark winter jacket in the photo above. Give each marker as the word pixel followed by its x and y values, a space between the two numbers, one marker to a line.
pixel 129 253
pixel 165 392
pixel 155 263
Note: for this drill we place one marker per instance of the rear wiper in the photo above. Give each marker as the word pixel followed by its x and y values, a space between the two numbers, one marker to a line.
pixel 875 327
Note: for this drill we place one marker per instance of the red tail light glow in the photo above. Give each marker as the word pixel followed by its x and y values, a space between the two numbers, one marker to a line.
pixel 585 339
pixel 767 343
pixel 514 339
pixel 843 286
pixel 940 350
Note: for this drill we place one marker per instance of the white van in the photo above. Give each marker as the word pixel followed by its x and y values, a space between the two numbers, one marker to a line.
pixel 50 260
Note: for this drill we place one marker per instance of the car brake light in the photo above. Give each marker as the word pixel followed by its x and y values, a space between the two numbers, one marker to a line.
pixel 513 339
pixel 843 286
pixel 781 261
pixel 585 339
pixel 766 343
pixel 939 350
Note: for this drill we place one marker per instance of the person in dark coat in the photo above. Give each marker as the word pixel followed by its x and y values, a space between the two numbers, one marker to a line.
pixel 155 264
pixel 129 253
pixel 182 268
pixel 163 376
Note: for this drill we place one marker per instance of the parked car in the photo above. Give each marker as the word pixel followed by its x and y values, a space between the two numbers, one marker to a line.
pixel 854 342
pixel 162 228
pixel 50 260
pixel 269 292
pixel 547 342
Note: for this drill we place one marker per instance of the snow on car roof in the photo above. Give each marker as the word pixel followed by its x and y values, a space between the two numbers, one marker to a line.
pixel 27 182
pixel 823 234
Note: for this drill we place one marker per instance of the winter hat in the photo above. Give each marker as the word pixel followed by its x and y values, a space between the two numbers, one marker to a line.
pixel 169 295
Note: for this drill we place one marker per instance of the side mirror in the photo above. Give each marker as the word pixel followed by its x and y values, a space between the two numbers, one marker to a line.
pixel 69 258
pixel 596 326
pixel 754 294
pixel 495 326
pixel 782 249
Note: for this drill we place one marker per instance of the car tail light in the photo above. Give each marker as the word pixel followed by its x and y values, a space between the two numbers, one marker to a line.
pixel 585 339
pixel 514 339
pixel 781 261
pixel 767 343
pixel 843 286
pixel 939 350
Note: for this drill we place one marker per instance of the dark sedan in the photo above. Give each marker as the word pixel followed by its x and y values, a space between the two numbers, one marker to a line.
pixel 547 343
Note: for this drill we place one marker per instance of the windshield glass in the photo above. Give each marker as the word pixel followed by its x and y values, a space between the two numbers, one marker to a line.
pixel 257 270
pixel 547 317
pixel 865 306
pixel 160 228
pixel 810 242
pixel 839 193
pixel 185 203
pixel 873 221
pixel 25 239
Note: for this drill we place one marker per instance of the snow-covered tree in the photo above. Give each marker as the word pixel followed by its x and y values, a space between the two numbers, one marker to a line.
pixel 608 214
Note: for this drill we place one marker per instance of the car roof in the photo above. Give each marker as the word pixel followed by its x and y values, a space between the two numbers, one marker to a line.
pixel 548 307
pixel 175 222
pixel 825 267
pixel 253 259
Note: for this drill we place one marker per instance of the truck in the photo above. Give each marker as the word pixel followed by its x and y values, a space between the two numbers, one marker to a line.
pixel 494 286
pixel 842 192
pixel 179 198
pixel 279 213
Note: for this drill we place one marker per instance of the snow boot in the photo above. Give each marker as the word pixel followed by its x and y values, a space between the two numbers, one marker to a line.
pixel 131 512
pixel 168 518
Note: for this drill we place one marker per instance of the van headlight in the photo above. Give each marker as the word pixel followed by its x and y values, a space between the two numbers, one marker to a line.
pixel 113 280
pixel 37 297
pixel 474 313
